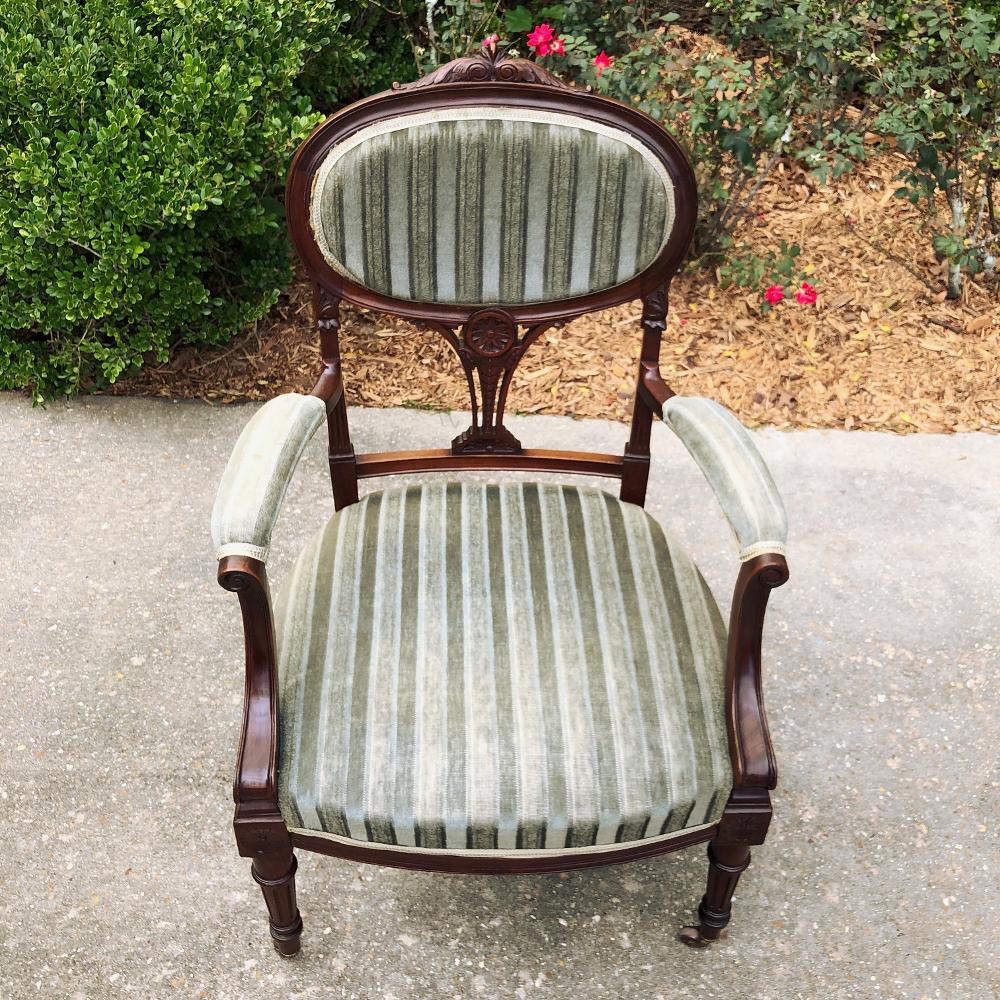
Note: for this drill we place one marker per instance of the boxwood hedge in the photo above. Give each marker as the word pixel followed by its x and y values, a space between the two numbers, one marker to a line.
pixel 143 146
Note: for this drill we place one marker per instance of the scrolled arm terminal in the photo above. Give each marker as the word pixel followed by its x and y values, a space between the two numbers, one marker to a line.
pixel 731 463
pixel 258 473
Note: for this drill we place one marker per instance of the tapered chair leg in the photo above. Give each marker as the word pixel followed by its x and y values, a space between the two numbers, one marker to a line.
pixel 726 862
pixel 275 874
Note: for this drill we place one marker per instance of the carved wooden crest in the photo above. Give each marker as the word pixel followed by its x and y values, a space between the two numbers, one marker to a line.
pixel 491 64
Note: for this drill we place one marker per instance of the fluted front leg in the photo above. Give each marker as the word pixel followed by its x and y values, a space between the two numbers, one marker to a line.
pixel 726 862
pixel 275 874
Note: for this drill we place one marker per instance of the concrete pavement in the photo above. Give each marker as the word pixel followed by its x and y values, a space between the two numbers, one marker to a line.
pixel 121 682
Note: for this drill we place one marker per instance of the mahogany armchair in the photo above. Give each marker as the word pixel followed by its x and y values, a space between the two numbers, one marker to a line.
pixel 521 677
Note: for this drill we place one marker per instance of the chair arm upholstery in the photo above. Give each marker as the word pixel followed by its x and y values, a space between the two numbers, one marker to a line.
pixel 730 462
pixel 259 471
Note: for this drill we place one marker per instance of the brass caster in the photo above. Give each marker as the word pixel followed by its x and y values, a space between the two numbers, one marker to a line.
pixel 692 937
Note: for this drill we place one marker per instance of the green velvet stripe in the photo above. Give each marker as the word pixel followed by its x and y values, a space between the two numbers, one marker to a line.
pixel 375 219
pixel 499 667
pixel 491 211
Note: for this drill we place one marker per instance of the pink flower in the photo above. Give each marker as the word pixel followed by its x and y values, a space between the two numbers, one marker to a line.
pixel 774 294
pixel 602 61
pixel 540 39
pixel 558 46
pixel 806 295
pixel 490 41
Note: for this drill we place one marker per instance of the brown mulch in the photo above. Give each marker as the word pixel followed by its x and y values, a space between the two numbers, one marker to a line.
pixel 880 350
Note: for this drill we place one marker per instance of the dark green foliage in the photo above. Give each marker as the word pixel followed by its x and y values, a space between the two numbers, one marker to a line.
pixel 748 270
pixel 144 143
pixel 941 103
pixel 927 74
pixel 628 33
pixel 143 146
pixel 614 28
pixel 371 52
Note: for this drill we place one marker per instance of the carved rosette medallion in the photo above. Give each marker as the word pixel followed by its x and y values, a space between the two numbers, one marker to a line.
pixel 490 333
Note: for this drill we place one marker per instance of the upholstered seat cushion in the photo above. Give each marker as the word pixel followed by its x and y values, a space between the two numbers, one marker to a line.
pixel 516 667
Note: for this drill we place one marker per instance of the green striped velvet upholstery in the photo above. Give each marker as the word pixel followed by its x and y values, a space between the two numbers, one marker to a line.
pixel 731 463
pixel 491 205
pixel 514 667
pixel 259 470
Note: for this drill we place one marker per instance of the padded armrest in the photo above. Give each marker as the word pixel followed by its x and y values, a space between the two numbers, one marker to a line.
pixel 730 462
pixel 259 471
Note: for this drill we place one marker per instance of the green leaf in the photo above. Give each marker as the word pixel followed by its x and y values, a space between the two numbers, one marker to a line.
pixel 519 20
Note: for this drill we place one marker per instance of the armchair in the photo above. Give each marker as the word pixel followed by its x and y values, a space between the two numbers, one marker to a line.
pixel 516 677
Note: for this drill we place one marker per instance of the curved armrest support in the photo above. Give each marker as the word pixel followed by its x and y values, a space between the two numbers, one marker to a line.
pixel 259 471
pixel 730 462
pixel 750 746
pixel 255 782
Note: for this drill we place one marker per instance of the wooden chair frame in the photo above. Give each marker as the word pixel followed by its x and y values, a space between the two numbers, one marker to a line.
pixel 488 344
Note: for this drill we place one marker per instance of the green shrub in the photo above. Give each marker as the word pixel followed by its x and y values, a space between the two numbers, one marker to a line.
pixel 372 51
pixel 143 145
pixel 447 29
pixel 942 96
pixel 824 55
pixel 629 34
pixel 927 74
pixel 407 38
pixel 803 83
pixel 737 112
pixel 441 30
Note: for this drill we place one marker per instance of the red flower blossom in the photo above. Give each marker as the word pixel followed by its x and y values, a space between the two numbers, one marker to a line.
pixel 806 295
pixel 774 294
pixel 540 39
pixel 558 46
pixel 602 61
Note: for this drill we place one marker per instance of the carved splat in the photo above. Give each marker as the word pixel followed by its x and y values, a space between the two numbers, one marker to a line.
pixel 489 349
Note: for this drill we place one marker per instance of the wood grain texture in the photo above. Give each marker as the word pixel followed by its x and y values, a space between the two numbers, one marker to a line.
pixel 587 463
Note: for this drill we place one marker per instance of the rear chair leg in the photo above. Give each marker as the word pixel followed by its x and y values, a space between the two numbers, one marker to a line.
pixel 275 874
pixel 726 862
